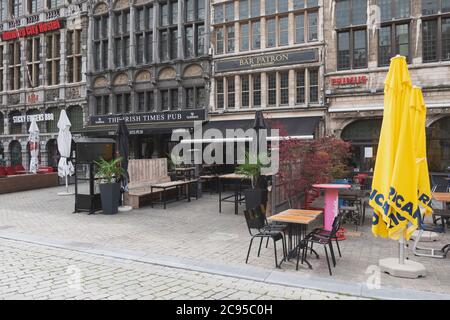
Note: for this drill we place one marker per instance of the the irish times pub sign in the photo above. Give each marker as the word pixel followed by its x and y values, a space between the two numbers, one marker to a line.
pixel 149 117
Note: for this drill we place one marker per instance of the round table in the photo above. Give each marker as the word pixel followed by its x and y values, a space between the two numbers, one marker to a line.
pixel 331 201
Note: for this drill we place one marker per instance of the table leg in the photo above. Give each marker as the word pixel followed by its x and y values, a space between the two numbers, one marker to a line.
pixel 164 197
pixel 151 197
pixel 188 190
pixel 331 207
pixel 236 199
pixel 220 195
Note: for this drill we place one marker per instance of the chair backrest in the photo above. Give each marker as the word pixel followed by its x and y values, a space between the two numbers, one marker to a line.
pixel 255 219
pixel 285 205
pixel 336 224
pixel 147 170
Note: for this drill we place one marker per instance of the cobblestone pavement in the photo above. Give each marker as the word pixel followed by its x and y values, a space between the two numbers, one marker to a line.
pixel 39 272
pixel 196 230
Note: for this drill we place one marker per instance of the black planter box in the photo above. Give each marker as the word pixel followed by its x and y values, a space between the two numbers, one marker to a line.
pixel 110 195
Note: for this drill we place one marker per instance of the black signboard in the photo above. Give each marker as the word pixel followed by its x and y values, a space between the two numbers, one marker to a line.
pixel 268 60
pixel 149 117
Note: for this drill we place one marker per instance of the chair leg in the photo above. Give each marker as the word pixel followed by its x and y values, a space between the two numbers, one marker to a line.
pixel 275 250
pixel 249 248
pixel 300 252
pixel 339 249
pixel 267 243
pixel 328 260
pixel 333 258
pixel 260 244
pixel 283 241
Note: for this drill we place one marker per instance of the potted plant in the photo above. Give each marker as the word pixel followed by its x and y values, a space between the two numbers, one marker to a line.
pixel 110 173
pixel 257 194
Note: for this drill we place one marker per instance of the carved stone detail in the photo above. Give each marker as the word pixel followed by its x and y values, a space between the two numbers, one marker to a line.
pixel 52 95
pixel 142 76
pixel 121 79
pixel 167 74
pixel 193 71
pixel 121 4
pixel 101 8
pixel 14 98
pixel 100 82
pixel 73 93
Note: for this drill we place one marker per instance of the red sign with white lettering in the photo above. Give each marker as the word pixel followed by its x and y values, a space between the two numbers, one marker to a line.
pixel 31 30
pixel 349 81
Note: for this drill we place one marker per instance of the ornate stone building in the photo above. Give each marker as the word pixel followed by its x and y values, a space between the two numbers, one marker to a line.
pixel 42 71
pixel 149 63
pixel 268 55
pixel 357 58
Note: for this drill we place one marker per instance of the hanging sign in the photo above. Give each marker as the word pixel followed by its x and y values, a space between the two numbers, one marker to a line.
pixel 31 30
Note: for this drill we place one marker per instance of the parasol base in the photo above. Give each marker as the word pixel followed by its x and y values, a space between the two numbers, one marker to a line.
pixel 409 269
pixel 65 193
pixel 125 208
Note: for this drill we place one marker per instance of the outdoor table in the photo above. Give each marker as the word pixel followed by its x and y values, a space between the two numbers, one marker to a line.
pixel 441 196
pixel 170 185
pixel 331 202
pixel 297 226
pixel 444 197
pixel 236 180
pixel 186 172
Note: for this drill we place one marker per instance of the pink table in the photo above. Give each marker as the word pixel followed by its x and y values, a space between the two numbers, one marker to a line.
pixel 331 201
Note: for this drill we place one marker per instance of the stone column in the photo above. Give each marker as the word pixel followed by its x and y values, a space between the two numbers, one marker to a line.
pixel 292 88
pixel 132 49
pixel 237 92
pixel 263 89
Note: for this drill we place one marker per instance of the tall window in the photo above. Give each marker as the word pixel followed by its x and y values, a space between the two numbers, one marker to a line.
pixel 2 69
pixel 256 35
pixel 394 9
pixel 300 86
pixel 32 6
pixel 168 42
pixel 272 89
pixel 313 85
pixel 225 35
pixel 220 94
pixel 33 62
pixel 219 40
pixel 230 38
pixel 230 93
pixel 194 28
pixel 195 97
pixel 244 37
pixel 255 8
pixel 102 105
pixel 435 30
pixel 244 12
pixel 256 87
pixel 245 91
pixel 14 65
pixel 123 103
pixel 144 35
pixel 53 58
pixel 306 21
pixel 271 33
pixel 73 50
pixel 3 10
pixel 351 16
pixel 145 101
pixel 15 8
pixel 121 38
pixel 51 4
pixel 284 88
pixel 276 6
pixel 101 42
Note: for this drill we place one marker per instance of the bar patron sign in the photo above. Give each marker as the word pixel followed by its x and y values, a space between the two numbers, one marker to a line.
pixel 150 117
pixel 268 60
pixel 31 30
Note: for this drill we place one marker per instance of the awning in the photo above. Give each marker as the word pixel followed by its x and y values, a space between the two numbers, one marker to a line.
pixel 289 128
pixel 100 131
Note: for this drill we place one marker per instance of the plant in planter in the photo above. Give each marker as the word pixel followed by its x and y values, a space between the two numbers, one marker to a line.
pixel 110 173
pixel 251 168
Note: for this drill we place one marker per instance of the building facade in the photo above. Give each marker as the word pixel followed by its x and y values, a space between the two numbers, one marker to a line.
pixel 42 71
pixel 268 55
pixel 149 64
pixel 357 57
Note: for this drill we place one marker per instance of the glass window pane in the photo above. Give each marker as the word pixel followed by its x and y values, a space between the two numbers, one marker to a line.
pixel 219 40
pixel 403 8
pixel 271 33
pixel 312 26
pixel 282 5
pixel 300 86
pixel 386 9
pixel 445 5
pixel 343 50
pixel 220 93
pixel 384 38
pixel 244 37
pixel 299 4
pixel 430 7
pixel 189 34
pixel 231 92
pixel 429 45
pixel 312 3
pixel 256 35
pixel 313 85
pixel 342 13
pixel 189 10
pixel 359 11
pixel 200 40
pixel 256 8
pixel 174 16
pixel 256 90
pixel 218 13
pixel 271 7
pixel 229 11
pixel 283 35
pixel 243 9
pixel 200 10
pixel 359 49
pixel 300 28
pixel 201 97
pixel 245 91
pixel 272 89
pixel 402 40
pixel 230 38
pixel 284 88
pixel 446 39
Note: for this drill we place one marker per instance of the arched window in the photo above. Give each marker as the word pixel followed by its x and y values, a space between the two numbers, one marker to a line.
pixel 438 145
pixel 363 136
pixel 2 124
pixel 16 152
pixel 75 114
pixel 15 128
pixel 52 125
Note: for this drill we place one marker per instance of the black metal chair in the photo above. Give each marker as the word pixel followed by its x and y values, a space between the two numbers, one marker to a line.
pixel 324 238
pixel 439 184
pixel 256 221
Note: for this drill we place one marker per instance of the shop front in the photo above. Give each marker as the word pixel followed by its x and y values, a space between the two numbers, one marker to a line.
pixel 438 145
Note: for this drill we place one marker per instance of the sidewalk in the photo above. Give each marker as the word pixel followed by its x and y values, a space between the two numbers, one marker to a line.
pixel 197 233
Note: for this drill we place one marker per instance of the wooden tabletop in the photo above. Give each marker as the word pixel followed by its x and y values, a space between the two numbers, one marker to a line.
pixel 301 212
pixel 185 169
pixel 297 219
pixel 172 183
pixel 441 196
pixel 233 176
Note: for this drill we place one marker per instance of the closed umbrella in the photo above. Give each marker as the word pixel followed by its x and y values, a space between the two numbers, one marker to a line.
pixel 65 168
pixel 123 147
pixel 33 142
pixel 395 180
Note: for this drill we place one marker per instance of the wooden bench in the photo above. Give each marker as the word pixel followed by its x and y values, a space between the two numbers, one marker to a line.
pixel 143 174
pixel 25 182
pixel 177 185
